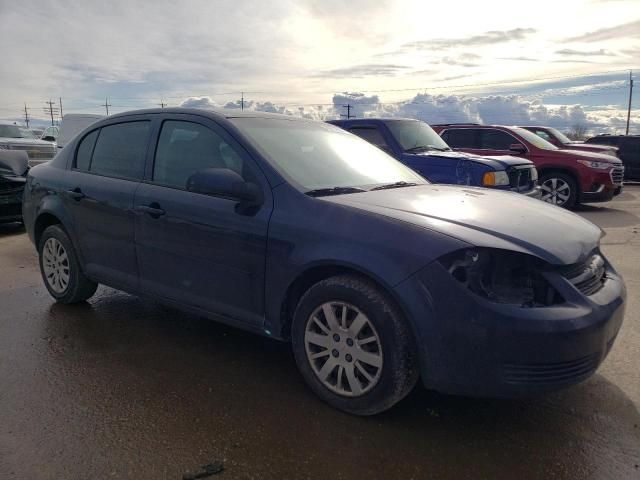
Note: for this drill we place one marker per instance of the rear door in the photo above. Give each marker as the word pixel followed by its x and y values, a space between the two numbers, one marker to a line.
pixel 107 168
pixel 197 249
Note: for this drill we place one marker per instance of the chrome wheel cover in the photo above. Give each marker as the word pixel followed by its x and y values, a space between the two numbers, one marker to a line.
pixel 55 264
pixel 343 349
pixel 555 191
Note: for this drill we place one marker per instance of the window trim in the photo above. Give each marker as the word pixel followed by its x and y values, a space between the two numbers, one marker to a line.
pixel 99 129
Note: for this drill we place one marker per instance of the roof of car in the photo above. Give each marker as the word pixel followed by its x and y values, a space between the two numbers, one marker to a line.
pixel 211 112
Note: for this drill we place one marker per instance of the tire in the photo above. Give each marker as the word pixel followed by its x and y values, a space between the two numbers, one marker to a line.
pixel 60 269
pixel 559 189
pixel 371 346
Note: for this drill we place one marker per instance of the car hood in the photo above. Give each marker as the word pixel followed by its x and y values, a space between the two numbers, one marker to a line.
pixel 498 162
pixel 581 147
pixel 485 218
pixel 24 141
pixel 583 154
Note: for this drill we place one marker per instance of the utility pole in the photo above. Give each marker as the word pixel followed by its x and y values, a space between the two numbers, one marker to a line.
pixel 630 96
pixel 241 100
pixel 50 109
pixel 26 115
pixel 60 103
pixel 348 107
pixel 107 105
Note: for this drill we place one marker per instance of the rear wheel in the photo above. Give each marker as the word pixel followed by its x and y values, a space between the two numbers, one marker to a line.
pixel 60 268
pixel 352 346
pixel 559 189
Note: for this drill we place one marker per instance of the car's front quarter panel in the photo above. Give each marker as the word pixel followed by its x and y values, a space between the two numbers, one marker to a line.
pixel 472 346
pixel 306 233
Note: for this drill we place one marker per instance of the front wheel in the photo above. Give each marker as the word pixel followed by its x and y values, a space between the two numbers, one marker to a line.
pixel 60 268
pixel 352 346
pixel 559 189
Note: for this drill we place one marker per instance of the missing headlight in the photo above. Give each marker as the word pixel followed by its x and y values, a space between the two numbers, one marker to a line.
pixel 502 276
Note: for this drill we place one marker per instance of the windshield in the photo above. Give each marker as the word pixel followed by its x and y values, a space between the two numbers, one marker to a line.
pixel 316 155
pixel 12 131
pixel 559 135
pixel 413 135
pixel 534 139
pixel 26 133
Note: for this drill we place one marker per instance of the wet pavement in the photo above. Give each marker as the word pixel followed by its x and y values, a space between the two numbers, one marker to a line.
pixel 124 388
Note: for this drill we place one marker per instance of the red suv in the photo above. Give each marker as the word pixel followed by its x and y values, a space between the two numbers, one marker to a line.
pixel 567 177
pixel 560 140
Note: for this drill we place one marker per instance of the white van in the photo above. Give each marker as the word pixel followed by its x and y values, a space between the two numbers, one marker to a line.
pixel 74 123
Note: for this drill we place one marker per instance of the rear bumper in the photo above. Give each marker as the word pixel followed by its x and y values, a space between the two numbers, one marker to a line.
pixel 470 346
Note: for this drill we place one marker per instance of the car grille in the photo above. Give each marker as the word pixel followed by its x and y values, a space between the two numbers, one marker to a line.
pixel 587 276
pixel 617 174
pixel 36 152
pixel 551 373
pixel 519 177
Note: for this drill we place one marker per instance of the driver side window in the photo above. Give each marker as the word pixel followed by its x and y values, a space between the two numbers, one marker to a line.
pixel 185 147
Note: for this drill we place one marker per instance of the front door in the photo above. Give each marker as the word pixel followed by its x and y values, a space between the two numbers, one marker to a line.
pixel 197 249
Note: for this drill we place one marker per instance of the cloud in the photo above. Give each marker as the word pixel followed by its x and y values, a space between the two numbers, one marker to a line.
pixel 519 59
pixel 461 61
pixel 487 38
pixel 584 53
pixel 359 71
pixel 626 30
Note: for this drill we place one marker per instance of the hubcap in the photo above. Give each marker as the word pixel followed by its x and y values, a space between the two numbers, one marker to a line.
pixel 343 349
pixel 55 264
pixel 556 191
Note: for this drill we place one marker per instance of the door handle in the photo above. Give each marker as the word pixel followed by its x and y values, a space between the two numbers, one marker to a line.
pixel 152 210
pixel 76 194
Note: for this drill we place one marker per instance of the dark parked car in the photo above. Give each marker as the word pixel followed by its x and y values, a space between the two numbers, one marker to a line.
pixel 416 145
pixel 560 140
pixel 628 151
pixel 13 175
pixel 301 231
pixel 567 177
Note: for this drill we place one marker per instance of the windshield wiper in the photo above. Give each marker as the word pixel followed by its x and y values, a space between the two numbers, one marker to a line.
pixel 426 147
pixel 321 192
pixel 395 185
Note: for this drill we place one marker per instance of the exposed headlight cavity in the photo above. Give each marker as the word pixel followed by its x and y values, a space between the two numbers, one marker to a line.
pixel 502 276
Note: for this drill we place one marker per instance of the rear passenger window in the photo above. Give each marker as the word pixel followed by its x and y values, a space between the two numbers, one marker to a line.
pixel 184 147
pixel 461 138
pixel 496 140
pixel 85 149
pixel 120 150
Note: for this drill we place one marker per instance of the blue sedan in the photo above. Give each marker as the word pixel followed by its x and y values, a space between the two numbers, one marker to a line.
pixel 303 232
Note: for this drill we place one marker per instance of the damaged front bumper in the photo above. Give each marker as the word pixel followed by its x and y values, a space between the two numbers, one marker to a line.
pixel 472 346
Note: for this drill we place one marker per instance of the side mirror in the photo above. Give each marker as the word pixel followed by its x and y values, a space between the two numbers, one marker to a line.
pixel 517 148
pixel 225 183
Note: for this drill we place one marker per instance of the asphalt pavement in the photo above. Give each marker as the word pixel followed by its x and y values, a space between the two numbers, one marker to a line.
pixel 122 387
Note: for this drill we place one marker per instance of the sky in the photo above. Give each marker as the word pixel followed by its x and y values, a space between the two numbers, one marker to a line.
pixel 560 62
